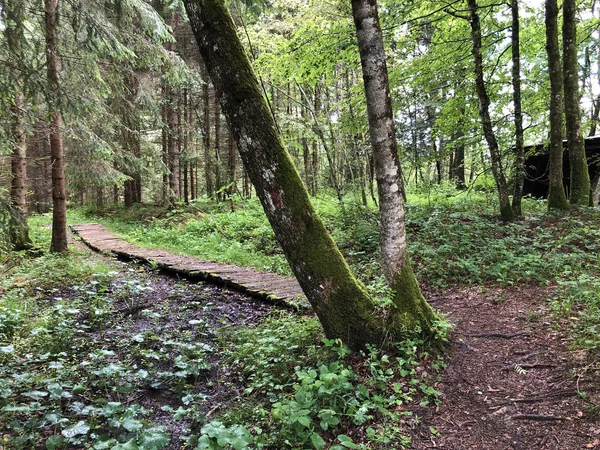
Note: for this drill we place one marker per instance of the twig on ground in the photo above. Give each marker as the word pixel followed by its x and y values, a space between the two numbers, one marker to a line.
pixel 538 417
pixel 512 366
pixel 498 335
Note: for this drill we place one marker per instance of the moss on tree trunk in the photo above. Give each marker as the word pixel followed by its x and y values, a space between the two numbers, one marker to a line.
pixel 411 311
pixel 557 199
pixel 580 179
pixel 342 304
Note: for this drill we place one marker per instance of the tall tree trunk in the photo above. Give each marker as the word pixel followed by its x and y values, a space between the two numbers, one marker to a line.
pixel 218 181
pixel 185 156
pixel 516 82
pixel 232 163
pixel 306 153
pixel 411 310
pixel 580 178
pixel 18 187
pixel 457 167
pixel 484 105
pixel 343 306
pixel 12 15
pixel 210 191
pixel 165 144
pixel 557 198
pixel 59 195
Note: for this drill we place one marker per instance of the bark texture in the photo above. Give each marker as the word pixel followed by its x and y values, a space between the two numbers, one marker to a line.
pixel 59 194
pixel 394 255
pixel 343 306
pixel 580 178
pixel 11 14
pixel 516 83
pixel 484 106
pixel 18 187
pixel 557 198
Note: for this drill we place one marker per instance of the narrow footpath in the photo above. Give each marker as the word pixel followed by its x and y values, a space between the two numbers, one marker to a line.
pixel 275 289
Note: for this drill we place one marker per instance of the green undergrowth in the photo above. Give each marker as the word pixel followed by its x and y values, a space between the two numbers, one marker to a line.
pixel 60 384
pixel 302 392
pixel 208 231
pixel 93 358
pixel 453 239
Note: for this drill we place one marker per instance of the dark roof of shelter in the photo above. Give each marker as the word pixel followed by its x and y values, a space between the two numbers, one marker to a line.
pixel 592 143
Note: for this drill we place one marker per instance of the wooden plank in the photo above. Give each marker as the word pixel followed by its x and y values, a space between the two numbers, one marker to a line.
pixel 263 285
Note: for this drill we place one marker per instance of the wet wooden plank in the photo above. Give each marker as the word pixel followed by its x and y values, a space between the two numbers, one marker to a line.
pixel 263 285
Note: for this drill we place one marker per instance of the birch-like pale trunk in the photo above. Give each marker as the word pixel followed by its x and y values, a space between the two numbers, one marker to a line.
pixel 342 304
pixel 394 256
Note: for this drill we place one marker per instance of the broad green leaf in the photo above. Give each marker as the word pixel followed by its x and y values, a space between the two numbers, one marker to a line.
pixel 54 442
pixel 317 441
pixel 153 439
pixel 78 429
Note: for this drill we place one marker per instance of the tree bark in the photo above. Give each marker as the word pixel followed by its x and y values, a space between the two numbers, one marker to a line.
pixel 59 195
pixel 580 178
pixel 343 306
pixel 411 310
pixel 18 188
pixel 12 16
pixel 210 191
pixel 557 198
pixel 457 168
pixel 232 163
pixel 484 105
pixel 516 82
pixel 218 181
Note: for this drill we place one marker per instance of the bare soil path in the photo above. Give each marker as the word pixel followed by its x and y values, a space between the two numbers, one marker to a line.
pixel 512 382
pixel 274 288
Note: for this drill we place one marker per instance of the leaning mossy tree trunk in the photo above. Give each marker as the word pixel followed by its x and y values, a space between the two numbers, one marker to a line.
pixel 557 199
pixel 342 304
pixel 580 178
pixel 410 308
pixel 506 210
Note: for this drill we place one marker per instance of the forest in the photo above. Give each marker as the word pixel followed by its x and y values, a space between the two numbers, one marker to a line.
pixel 299 224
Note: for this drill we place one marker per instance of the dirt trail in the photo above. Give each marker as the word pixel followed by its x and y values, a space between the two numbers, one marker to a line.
pixel 512 382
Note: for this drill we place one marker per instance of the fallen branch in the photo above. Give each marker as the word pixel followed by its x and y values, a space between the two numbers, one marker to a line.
pixel 528 366
pixel 497 335
pixel 538 417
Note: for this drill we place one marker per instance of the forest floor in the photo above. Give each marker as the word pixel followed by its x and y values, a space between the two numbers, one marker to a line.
pixel 511 381
pixel 105 354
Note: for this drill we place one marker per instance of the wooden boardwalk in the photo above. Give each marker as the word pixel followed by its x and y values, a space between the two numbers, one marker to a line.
pixel 273 288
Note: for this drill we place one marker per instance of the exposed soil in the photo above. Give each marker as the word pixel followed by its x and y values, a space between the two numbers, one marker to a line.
pixel 173 309
pixel 511 382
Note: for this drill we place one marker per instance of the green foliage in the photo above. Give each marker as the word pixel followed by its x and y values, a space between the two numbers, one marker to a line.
pixel 578 301
pixel 311 394
pixel 243 237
